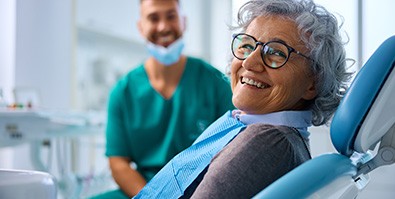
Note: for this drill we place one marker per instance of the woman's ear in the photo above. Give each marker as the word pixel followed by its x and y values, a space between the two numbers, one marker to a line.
pixel 311 91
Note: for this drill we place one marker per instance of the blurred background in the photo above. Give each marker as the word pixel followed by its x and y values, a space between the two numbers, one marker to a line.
pixel 64 56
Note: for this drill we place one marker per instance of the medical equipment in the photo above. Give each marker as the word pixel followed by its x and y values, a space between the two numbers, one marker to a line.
pixel 21 184
pixel 362 131
pixel 39 127
pixel 21 125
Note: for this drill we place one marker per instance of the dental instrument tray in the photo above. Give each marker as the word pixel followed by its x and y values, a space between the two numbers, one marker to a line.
pixel 19 126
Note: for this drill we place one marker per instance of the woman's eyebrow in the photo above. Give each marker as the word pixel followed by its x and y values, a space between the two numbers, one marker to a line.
pixel 276 39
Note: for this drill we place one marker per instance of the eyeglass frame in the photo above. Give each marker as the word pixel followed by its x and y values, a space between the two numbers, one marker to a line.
pixel 262 53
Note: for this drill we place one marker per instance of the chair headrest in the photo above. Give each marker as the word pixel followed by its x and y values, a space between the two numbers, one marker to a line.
pixel 360 121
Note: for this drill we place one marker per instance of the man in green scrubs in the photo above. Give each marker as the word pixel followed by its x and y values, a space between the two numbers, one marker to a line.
pixel 158 109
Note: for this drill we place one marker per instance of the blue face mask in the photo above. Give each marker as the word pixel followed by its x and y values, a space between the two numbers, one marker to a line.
pixel 166 56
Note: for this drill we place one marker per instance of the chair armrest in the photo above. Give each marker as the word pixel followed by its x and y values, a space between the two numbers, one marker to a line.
pixel 310 177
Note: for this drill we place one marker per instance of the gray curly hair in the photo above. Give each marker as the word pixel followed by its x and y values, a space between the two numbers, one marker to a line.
pixel 319 30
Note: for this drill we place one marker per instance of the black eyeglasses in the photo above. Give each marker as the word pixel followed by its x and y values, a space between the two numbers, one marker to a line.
pixel 274 53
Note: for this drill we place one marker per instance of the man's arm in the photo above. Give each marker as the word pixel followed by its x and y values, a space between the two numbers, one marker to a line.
pixel 128 179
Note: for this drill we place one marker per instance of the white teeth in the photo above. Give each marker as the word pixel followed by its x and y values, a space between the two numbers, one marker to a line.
pixel 165 38
pixel 252 82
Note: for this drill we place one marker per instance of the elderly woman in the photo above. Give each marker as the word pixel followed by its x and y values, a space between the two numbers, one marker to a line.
pixel 288 73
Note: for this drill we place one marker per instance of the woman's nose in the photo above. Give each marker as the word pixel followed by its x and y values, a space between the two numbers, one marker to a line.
pixel 254 61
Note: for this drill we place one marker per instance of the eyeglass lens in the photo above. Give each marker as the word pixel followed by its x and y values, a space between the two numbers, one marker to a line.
pixel 274 54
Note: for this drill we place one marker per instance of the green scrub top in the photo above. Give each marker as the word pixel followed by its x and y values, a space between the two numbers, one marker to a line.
pixel 149 129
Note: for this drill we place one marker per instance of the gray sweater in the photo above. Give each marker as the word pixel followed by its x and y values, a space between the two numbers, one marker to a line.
pixel 251 161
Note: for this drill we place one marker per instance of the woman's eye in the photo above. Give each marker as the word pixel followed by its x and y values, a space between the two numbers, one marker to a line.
pixel 248 47
pixel 276 52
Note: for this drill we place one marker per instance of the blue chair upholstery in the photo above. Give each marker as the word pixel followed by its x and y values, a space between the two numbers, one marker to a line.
pixel 364 118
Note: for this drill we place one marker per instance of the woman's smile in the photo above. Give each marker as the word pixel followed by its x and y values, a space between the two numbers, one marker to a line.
pixel 252 82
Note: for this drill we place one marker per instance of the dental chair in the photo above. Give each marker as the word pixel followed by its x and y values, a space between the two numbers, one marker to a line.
pixel 362 131
pixel 22 184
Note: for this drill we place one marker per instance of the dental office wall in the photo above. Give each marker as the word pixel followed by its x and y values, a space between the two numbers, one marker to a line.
pixel 35 52
pixel 7 48
pixel 71 52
